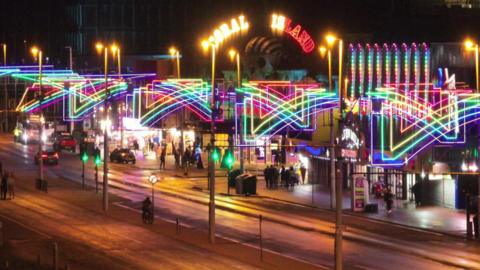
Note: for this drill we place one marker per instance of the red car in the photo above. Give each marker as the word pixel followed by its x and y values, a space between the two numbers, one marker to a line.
pixel 48 157
pixel 65 141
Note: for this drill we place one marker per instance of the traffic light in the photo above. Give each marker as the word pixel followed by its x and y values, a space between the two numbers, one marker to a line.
pixel 216 154
pixel 98 160
pixel 84 157
pixel 229 159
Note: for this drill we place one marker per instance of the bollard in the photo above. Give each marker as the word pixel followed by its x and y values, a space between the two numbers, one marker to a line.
pixel 2 235
pixel 260 237
pixel 177 228
pixel 55 256
pixel 467 210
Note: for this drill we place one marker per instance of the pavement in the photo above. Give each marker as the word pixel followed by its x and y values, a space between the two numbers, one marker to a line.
pixel 433 218
pixel 116 239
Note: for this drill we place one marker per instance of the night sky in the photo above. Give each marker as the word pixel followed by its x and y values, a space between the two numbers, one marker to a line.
pixel 46 22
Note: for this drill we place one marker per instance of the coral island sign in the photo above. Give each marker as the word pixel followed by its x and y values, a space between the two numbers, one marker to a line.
pixel 282 23
pixel 225 30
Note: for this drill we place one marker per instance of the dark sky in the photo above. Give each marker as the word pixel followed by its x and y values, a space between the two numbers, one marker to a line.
pixel 46 22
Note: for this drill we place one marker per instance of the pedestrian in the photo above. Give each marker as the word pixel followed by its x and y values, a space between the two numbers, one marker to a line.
pixel 176 156
pixel 11 186
pixel 4 186
pixel 162 158
pixel 186 161
pixel 388 198
pixel 266 175
pixel 303 172
pixel 198 152
pixel 275 175
pixel 417 192
pixel 284 177
pixel 292 178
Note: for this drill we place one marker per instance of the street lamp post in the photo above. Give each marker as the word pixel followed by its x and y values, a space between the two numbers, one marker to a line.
pixel 336 184
pixel 474 46
pixel 100 47
pixel 175 53
pixel 70 64
pixel 38 53
pixel 211 167
pixel 5 80
pixel 153 179
pixel 236 55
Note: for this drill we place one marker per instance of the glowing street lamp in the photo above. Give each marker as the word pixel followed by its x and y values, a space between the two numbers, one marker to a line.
pixel 322 50
pixel 175 53
pixel 37 53
pixel 100 47
pixel 336 184
pixel 4 45
pixel 330 39
pixel 116 52
pixel 235 55
pixel 473 46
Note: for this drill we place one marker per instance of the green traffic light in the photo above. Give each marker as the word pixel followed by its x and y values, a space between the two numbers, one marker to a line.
pixel 215 155
pixel 85 157
pixel 97 160
pixel 229 161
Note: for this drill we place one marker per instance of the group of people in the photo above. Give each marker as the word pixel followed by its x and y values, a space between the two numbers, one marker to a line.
pixel 186 159
pixel 288 177
pixel 7 184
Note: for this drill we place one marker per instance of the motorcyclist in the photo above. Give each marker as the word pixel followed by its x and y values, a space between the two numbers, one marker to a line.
pixel 146 207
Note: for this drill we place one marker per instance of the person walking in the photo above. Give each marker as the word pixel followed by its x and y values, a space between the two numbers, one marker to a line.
pixel 11 186
pixel 388 198
pixel 186 161
pixel 292 178
pixel 417 193
pixel 284 177
pixel 303 172
pixel 163 154
pixel 275 175
pixel 176 155
pixel 4 186
pixel 266 174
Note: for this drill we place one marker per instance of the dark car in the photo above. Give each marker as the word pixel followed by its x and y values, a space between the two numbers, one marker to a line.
pixel 64 141
pixel 48 157
pixel 122 155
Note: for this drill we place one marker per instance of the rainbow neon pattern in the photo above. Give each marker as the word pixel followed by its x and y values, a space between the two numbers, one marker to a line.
pixel 79 94
pixel 405 124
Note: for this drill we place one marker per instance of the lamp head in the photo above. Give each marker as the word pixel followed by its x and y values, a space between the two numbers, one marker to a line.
pixel 330 39
pixel 34 50
pixel 99 47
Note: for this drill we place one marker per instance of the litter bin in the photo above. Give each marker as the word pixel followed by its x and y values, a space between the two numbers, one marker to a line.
pixel 250 185
pixel 239 185
pixel 232 176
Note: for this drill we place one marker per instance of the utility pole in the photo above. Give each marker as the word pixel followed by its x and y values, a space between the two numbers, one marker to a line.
pixel 105 136
pixel 338 189
pixel 41 120
pixel 239 83
pixel 211 166
pixel 332 135
pixel 5 81
pixel 70 63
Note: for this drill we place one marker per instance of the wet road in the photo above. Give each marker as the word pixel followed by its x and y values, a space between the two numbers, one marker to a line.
pixel 287 229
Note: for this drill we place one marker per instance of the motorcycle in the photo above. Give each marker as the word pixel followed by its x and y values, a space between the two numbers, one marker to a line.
pixel 147 217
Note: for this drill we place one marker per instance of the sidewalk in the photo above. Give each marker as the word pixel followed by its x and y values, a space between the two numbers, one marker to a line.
pixel 434 218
